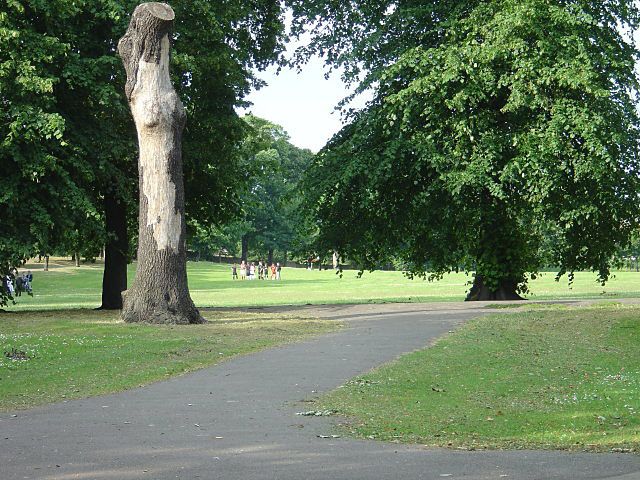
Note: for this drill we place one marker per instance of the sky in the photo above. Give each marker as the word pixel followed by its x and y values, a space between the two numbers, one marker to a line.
pixel 303 103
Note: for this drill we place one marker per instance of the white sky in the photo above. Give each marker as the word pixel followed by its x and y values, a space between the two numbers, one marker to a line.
pixel 303 103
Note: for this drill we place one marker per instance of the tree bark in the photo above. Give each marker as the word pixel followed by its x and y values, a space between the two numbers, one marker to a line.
pixel 159 293
pixel 46 263
pixel 76 257
pixel 270 257
pixel 479 291
pixel 114 278
pixel 245 247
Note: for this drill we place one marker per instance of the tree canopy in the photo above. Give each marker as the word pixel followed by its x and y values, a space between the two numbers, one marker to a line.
pixel 516 125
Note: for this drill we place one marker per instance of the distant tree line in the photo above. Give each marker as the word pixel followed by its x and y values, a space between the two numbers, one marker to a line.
pixel 270 219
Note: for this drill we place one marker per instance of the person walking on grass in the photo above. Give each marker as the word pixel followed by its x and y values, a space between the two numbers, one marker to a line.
pixel 26 283
pixel 278 270
pixel 7 284
pixel 252 271
pixel 234 272
pixel 273 271
pixel 19 285
pixel 243 270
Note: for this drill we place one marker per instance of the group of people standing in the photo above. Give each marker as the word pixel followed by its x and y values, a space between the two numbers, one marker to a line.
pixel 248 271
pixel 23 283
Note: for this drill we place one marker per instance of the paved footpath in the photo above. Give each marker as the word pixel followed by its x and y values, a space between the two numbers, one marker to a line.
pixel 238 420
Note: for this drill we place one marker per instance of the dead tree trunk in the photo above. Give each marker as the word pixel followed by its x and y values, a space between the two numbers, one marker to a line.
pixel 159 293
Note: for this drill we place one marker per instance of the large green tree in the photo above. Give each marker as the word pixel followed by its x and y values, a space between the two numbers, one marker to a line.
pixel 67 142
pixel 516 124
pixel 363 37
pixel 269 204
pixel 44 177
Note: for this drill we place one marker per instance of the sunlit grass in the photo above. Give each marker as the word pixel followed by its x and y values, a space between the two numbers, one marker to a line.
pixel 62 354
pixel 65 286
pixel 565 378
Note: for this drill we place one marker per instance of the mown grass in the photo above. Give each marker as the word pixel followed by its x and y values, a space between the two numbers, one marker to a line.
pixel 561 378
pixel 82 353
pixel 65 286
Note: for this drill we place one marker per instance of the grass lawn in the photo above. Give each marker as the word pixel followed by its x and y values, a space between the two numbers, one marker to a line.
pixel 561 378
pixel 66 286
pixel 81 353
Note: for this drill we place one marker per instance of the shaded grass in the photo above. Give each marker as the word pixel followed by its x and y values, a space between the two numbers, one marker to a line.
pixel 81 353
pixel 566 378
pixel 68 287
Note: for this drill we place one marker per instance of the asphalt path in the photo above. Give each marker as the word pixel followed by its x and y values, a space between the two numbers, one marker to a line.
pixel 237 420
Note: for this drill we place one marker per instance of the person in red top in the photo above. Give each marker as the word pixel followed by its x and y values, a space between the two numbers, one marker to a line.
pixel 273 271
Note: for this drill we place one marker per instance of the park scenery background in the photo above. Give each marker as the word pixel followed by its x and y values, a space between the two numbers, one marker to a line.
pixel 496 152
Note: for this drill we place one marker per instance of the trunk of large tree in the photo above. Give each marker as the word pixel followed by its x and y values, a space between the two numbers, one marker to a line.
pixel 270 257
pixel 76 257
pixel 479 291
pixel 245 247
pixel 114 279
pixel 46 263
pixel 159 293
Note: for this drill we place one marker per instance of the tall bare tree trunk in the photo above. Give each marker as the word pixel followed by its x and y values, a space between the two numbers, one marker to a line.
pixel 114 278
pixel 46 263
pixel 159 293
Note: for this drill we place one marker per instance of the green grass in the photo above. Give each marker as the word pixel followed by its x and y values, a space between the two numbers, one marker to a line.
pixel 65 286
pixel 81 353
pixel 564 378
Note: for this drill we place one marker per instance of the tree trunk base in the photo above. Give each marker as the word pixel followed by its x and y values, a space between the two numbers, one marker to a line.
pixel 142 309
pixel 159 294
pixel 480 292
